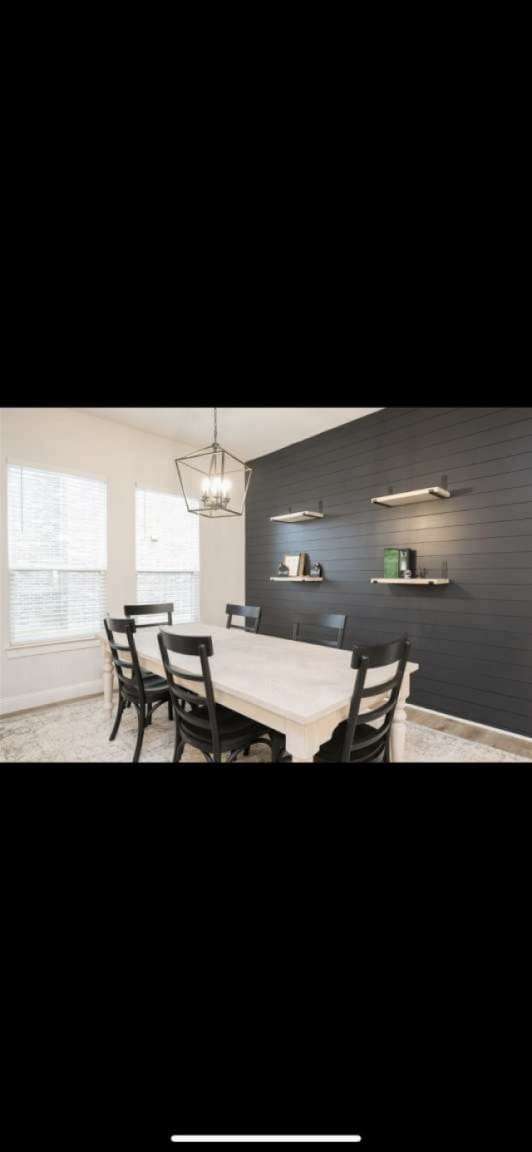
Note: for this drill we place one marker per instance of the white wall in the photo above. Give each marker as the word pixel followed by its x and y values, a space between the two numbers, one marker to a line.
pixel 223 569
pixel 65 439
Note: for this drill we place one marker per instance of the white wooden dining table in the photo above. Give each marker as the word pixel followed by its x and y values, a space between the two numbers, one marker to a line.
pixel 303 690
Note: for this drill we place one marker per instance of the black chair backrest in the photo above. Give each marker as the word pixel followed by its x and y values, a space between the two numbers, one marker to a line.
pixel 364 658
pixel 328 630
pixel 132 684
pixel 135 610
pixel 198 723
pixel 251 616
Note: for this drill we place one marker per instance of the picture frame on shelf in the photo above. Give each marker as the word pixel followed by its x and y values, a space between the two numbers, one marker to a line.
pixel 295 562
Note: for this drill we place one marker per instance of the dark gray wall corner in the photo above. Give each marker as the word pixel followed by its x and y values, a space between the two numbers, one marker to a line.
pixel 473 638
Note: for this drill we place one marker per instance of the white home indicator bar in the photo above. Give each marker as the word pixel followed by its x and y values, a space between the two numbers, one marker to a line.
pixel 266 1139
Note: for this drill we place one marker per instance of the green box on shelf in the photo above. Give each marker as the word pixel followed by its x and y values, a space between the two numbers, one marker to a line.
pixel 391 563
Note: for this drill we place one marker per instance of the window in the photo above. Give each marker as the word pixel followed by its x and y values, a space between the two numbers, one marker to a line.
pixel 167 554
pixel 57 554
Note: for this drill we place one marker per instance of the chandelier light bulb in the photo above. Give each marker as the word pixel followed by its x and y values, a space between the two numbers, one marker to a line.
pixel 216 491
pixel 216 486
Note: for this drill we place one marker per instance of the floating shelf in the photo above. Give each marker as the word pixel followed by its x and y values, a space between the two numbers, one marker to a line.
pixel 417 496
pixel 294 517
pixel 297 579
pixel 411 580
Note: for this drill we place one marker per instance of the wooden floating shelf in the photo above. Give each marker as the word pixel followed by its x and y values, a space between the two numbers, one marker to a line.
pixel 297 579
pixel 411 580
pixel 417 496
pixel 295 517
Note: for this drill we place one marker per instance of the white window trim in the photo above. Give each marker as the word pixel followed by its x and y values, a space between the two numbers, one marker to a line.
pixel 35 647
pixel 43 647
pixel 158 491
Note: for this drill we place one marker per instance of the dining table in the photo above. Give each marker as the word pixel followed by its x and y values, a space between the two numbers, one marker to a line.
pixel 303 690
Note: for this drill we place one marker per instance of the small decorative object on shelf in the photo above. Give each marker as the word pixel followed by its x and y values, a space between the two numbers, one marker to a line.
pixel 316 569
pixel 406 562
pixel 397 562
pixel 407 575
pixel 295 562
pixel 283 570
pixel 391 563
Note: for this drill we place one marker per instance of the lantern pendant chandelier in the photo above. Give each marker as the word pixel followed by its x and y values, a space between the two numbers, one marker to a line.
pixel 214 482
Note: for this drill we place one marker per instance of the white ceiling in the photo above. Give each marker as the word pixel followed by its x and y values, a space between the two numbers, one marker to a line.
pixel 249 432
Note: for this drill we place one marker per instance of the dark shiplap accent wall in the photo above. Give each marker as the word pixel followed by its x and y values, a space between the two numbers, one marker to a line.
pixel 473 638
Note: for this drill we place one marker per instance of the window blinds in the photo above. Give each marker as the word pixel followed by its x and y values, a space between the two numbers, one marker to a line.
pixel 167 545
pixel 57 554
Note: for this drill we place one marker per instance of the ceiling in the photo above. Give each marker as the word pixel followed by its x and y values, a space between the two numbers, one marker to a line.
pixel 248 432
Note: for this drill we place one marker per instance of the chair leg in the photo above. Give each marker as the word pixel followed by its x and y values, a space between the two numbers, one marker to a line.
pixel 178 746
pixel 278 742
pixel 284 756
pixel 116 725
pixel 246 751
pixel 170 709
pixel 148 713
pixel 140 737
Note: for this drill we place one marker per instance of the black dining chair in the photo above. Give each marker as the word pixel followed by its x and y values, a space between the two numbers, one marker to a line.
pixel 251 616
pixel 144 690
pixel 327 630
pixel 356 739
pixel 199 720
pixel 134 610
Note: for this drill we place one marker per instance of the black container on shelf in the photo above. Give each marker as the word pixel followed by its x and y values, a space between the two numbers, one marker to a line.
pixel 407 561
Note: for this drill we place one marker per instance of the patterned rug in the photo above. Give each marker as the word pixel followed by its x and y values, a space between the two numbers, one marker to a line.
pixel 78 732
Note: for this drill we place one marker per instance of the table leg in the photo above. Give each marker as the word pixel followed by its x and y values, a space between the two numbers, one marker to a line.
pixel 303 741
pixel 398 735
pixel 398 732
pixel 107 678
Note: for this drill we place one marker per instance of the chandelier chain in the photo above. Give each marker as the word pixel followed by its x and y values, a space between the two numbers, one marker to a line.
pixel 215 425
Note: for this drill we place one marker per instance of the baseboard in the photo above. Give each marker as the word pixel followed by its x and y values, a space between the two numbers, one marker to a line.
pixel 50 696
pixel 473 726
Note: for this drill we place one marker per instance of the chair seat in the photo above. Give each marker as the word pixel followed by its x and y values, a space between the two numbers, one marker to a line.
pixel 234 729
pixel 231 723
pixel 331 752
pixel 155 687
